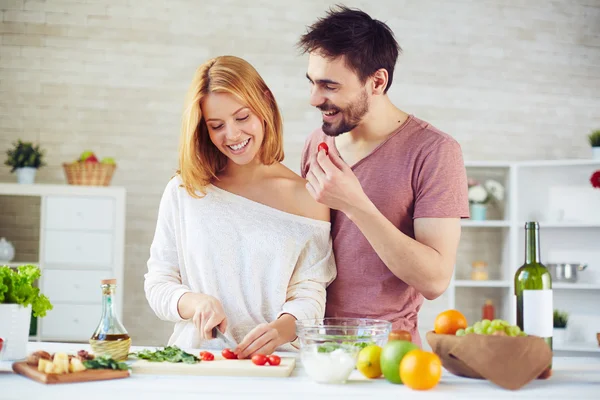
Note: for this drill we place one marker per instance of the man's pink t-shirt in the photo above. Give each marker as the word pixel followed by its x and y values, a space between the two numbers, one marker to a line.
pixel 417 172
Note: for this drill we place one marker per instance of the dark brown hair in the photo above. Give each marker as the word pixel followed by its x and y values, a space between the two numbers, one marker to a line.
pixel 366 43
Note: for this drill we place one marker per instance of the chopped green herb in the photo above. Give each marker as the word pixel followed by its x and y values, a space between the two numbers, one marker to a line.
pixel 105 362
pixel 169 354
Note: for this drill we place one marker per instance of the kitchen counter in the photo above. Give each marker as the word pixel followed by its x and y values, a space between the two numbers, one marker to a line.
pixel 573 377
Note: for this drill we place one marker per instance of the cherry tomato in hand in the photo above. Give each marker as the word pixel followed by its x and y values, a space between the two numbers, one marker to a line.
pixel 274 360
pixel 207 356
pixel 323 146
pixel 228 354
pixel 259 359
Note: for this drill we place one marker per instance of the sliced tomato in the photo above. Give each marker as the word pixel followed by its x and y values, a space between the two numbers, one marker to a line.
pixel 228 354
pixel 207 356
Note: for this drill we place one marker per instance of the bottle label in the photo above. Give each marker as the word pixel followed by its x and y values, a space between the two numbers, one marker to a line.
pixel 538 312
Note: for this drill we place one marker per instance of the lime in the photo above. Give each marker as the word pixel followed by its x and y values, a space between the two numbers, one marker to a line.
pixel 391 355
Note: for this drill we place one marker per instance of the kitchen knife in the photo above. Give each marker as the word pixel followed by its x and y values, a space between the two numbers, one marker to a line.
pixel 218 335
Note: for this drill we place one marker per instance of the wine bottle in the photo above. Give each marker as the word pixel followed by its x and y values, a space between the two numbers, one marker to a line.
pixel 533 288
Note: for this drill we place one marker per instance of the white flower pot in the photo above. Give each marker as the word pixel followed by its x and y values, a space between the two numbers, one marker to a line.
pixel 14 331
pixel 7 251
pixel 596 153
pixel 559 335
pixel 26 175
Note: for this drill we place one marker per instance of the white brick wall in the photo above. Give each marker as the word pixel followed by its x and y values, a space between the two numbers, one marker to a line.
pixel 508 79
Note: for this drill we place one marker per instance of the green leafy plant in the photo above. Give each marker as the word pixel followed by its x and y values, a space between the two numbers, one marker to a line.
pixel 594 138
pixel 560 319
pixel 24 154
pixel 170 354
pixel 17 287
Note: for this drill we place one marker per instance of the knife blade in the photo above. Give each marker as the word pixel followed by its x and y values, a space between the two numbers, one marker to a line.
pixel 219 335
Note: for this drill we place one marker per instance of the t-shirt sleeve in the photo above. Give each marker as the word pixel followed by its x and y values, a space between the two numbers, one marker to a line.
pixel 441 189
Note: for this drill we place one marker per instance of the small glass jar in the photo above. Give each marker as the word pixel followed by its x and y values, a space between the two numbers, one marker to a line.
pixel 479 271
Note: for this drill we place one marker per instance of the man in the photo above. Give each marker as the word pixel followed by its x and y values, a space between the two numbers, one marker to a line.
pixel 396 185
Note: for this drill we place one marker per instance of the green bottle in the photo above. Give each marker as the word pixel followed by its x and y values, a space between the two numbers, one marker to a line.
pixel 533 288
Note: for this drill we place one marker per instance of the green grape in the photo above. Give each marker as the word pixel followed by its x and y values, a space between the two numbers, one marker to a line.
pixel 490 330
pixel 522 333
pixel 504 322
pixel 478 330
pixel 513 331
pixel 497 324
pixel 469 330
pixel 477 325
pixel 486 323
pixel 460 332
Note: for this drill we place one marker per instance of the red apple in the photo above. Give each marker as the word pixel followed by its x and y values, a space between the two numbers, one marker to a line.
pixel 92 159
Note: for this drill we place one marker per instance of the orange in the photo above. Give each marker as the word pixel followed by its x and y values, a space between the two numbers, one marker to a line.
pixel 449 321
pixel 420 370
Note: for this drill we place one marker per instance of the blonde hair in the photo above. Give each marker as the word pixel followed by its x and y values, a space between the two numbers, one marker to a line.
pixel 199 159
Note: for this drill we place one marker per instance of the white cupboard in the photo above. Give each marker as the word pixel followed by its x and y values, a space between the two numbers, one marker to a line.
pixel 81 242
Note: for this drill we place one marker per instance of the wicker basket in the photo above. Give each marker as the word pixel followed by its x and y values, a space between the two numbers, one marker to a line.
pixel 89 174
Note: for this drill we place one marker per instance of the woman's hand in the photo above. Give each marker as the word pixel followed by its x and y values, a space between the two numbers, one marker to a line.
pixel 205 311
pixel 265 338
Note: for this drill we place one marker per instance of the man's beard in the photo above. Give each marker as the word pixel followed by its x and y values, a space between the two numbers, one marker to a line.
pixel 350 116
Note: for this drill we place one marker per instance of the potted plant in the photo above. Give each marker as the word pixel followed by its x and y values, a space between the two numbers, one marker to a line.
pixel 481 194
pixel 560 326
pixel 18 298
pixel 594 139
pixel 25 159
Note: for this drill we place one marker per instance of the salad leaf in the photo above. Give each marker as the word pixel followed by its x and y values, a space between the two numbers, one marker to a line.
pixel 329 347
pixel 105 362
pixel 169 354
pixel 17 287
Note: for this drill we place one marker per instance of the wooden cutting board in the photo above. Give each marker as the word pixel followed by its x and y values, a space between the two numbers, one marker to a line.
pixel 30 371
pixel 219 366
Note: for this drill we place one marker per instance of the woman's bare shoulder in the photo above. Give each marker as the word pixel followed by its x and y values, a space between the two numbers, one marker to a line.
pixel 293 189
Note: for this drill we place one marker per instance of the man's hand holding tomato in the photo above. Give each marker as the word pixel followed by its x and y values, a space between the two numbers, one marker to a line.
pixel 331 182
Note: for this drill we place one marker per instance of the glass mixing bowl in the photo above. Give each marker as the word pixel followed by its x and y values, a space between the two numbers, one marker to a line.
pixel 329 346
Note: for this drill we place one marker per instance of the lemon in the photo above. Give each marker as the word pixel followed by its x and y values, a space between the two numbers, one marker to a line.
pixel 368 361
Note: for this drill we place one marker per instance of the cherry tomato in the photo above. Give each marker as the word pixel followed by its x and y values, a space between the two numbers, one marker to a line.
pixel 259 359
pixel 207 356
pixel 400 335
pixel 274 360
pixel 323 146
pixel 228 354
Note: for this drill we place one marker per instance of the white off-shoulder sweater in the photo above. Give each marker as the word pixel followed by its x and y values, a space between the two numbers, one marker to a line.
pixel 258 261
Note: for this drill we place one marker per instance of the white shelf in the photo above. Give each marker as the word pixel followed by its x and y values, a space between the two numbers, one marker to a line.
pixel 567 224
pixel 491 284
pixel 485 224
pixel 584 347
pixel 578 286
pixel 17 264
pixel 43 189
pixel 558 163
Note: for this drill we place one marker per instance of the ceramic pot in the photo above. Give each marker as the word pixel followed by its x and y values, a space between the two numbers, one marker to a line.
pixel 26 175
pixel 478 212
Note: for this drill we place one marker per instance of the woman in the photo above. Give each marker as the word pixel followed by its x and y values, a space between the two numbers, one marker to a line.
pixel 239 244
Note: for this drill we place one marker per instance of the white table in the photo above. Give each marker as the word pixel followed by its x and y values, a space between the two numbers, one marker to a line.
pixel 573 378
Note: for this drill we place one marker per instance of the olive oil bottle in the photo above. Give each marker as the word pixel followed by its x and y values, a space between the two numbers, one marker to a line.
pixel 110 337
